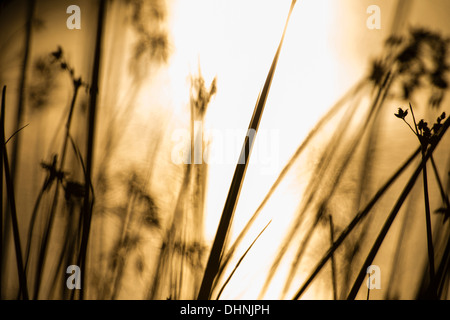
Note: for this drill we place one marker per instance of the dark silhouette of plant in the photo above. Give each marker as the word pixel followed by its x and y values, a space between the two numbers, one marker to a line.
pixel 56 173
pixel 11 202
pixel 62 216
pixel 426 136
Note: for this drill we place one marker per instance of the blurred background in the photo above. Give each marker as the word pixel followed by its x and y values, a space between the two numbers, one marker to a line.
pixel 106 114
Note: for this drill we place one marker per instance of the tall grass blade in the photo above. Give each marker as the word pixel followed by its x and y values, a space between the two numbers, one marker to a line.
pixel 16 132
pixel 240 261
pixel 333 262
pixel 213 264
pixel 335 109
pixel 87 206
pixel 12 204
pixel 19 114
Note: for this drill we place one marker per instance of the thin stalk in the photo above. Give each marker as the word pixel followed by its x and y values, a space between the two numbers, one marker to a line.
pixel 333 263
pixel 391 292
pixel 23 81
pixel 335 179
pixel 122 248
pixel 12 203
pixel 428 216
pixel 213 264
pixel 66 243
pixel 376 246
pixel 156 279
pixel 88 202
pixel 240 260
pixel 367 162
pixel 434 290
pixel 359 216
pixel 319 175
pixel 19 117
pixel 2 129
pixel 31 226
pixel 441 273
pixel 16 132
pixel 168 240
pixel 300 251
pixel 50 222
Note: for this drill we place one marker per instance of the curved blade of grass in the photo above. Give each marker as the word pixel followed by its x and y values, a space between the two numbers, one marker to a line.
pixel 213 264
pixel 240 260
pixel 2 129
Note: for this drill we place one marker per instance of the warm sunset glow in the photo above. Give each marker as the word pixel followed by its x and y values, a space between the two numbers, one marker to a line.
pixel 102 98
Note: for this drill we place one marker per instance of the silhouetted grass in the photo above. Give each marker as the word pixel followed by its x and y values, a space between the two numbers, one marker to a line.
pixel 240 260
pixel 185 232
pixel 19 116
pixel 88 201
pixel 62 216
pixel 12 202
pixel 216 252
